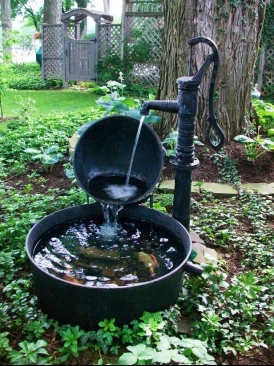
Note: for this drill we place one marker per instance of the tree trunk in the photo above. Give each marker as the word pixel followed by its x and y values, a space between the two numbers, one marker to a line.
pixel 83 25
pixel 6 27
pixel 236 29
pixel 52 11
pixel 106 6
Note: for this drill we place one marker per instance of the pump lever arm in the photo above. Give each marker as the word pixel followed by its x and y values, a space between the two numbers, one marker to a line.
pixel 214 133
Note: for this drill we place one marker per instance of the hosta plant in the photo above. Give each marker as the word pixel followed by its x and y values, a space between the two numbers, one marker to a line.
pixel 256 147
pixel 114 101
pixel 48 157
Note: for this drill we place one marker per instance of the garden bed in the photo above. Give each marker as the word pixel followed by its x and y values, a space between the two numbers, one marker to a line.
pixel 259 171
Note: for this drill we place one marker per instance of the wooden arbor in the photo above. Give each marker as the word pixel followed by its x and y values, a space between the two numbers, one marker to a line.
pixel 65 55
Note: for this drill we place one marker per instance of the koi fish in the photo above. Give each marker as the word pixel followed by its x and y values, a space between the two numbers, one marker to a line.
pixel 149 260
pixel 73 279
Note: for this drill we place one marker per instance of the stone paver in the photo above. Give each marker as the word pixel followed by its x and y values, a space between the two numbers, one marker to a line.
pixel 204 254
pixel 185 325
pixel 262 188
pixel 167 186
pixel 72 142
pixel 195 238
pixel 220 189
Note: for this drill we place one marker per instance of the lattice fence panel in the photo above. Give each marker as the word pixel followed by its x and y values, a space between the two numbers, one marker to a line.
pixel 155 6
pixel 144 74
pixel 109 40
pixel 144 32
pixel 268 73
pixel 71 30
pixel 52 51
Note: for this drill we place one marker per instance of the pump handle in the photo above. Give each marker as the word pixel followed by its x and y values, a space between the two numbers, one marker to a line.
pixel 214 133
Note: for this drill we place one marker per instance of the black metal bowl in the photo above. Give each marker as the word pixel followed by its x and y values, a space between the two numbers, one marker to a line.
pixel 104 150
pixel 76 304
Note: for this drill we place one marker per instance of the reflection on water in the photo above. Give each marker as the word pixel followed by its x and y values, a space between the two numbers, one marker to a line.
pixel 85 252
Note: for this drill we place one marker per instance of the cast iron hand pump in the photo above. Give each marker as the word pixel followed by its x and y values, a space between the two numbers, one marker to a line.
pixel 185 106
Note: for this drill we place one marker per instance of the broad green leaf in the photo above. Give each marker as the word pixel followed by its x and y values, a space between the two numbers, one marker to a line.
pixel 113 84
pixel 164 343
pixel 119 107
pixel 102 88
pixel 188 343
pixel 139 348
pixel 120 86
pixel 130 102
pixel 51 149
pixel 162 357
pixel 168 141
pixel 39 156
pixel 198 143
pixel 243 139
pixel 200 352
pixel 147 354
pixel 41 343
pixel 103 323
pixel 268 144
pixel 270 132
pixel 50 159
pixel 114 95
pixel 135 113
pixel 41 361
pixel 43 351
pixel 128 359
pixel 153 119
pixel 105 103
pixel 269 108
pixel 176 357
pixel 14 356
pixel 32 151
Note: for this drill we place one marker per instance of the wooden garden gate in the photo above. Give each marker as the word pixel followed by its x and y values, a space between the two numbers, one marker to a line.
pixel 80 59
pixel 64 54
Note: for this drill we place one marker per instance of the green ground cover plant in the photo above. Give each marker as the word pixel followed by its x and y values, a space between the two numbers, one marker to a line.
pixel 26 76
pixel 39 134
pixel 229 313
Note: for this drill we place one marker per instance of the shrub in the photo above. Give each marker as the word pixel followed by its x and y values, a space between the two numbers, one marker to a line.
pixel 26 76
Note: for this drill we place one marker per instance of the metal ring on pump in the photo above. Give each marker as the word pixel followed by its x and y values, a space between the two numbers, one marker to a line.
pixel 214 133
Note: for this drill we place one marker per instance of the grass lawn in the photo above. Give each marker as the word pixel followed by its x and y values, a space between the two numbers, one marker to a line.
pixel 47 101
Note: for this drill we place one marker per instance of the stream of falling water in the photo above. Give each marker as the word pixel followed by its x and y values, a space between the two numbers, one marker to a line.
pixel 134 149
pixel 110 226
pixel 120 192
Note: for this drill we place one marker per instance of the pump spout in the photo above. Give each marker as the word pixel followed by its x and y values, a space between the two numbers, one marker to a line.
pixel 159 105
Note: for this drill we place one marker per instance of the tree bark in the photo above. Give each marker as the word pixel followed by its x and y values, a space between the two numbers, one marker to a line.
pixel 236 29
pixel 106 6
pixel 52 11
pixel 6 27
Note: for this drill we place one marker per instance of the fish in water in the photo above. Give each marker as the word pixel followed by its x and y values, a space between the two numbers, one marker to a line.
pixel 149 260
pixel 97 253
pixel 72 279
